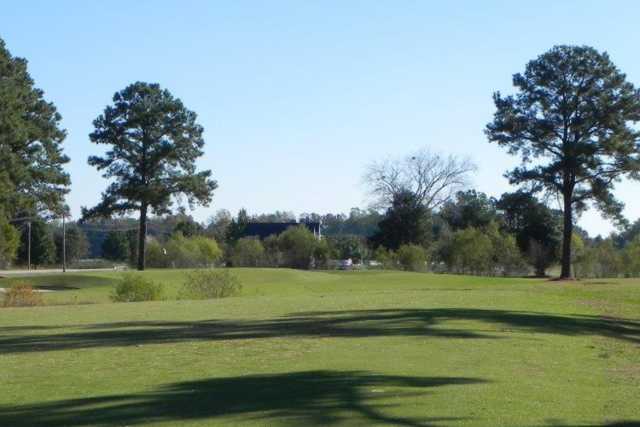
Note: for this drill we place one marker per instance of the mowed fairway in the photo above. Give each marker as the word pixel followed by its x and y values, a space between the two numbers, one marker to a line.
pixel 326 348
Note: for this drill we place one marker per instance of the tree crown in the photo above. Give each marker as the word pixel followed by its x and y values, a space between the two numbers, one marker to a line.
pixel 154 143
pixel 570 121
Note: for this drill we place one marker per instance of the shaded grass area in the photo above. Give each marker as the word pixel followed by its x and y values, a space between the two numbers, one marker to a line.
pixel 328 324
pixel 318 348
pixel 304 398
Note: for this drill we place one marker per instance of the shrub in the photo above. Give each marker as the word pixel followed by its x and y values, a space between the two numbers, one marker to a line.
pixel 297 245
pixel 321 254
pixel 156 256
pixel 183 252
pixel 135 287
pixel 208 284
pixel 248 252
pixel 412 257
pixel 273 255
pixel 471 251
pixel 385 257
pixel 631 256
pixel 22 295
pixel 506 258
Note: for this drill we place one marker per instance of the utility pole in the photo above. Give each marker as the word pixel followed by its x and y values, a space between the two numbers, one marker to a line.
pixel 64 244
pixel 29 245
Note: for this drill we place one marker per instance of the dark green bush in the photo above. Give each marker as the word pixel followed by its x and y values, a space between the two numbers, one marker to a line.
pixel 207 284
pixel 135 287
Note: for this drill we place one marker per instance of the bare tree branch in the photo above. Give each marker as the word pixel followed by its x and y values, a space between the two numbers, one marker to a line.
pixel 433 178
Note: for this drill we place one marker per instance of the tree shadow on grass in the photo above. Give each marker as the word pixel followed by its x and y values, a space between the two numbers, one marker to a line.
pixel 302 398
pixel 335 324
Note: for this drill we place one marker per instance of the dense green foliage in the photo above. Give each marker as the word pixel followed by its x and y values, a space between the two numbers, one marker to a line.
pixel 32 177
pixel 538 229
pixel 135 288
pixel 43 247
pixel 76 244
pixel 405 222
pixel 248 252
pixel 469 209
pixel 9 242
pixel 209 284
pixel 116 246
pixel 183 252
pixel 412 257
pixel 297 245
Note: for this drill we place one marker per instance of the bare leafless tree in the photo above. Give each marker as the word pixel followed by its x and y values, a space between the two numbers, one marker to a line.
pixel 433 178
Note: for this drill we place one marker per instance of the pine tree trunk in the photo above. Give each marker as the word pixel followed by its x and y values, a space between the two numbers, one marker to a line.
pixel 567 233
pixel 142 236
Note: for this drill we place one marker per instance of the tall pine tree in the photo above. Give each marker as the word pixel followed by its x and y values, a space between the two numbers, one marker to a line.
pixel 571 123
pixel 153 142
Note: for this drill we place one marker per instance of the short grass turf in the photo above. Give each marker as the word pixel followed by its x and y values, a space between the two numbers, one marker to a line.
pixel 316 348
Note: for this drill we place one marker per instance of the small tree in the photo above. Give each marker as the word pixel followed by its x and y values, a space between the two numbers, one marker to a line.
pixel 155 142
pixel 248 252
pixel 273 253
pixel 536 227
pixel 471 251
pixel 506 256
pixel 412 257
pixel 297 245
pixel 405 222
pixel 572 114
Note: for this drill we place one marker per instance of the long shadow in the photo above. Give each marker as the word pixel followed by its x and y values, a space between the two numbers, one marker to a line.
pixel 346 324
pixel 300 398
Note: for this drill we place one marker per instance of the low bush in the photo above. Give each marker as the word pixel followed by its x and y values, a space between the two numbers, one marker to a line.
pixel 22 295
pixel 208 284
pixel 134 287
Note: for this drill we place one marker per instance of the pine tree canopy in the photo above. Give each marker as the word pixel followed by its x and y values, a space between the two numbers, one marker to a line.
pixel 32 177
pixel 154 141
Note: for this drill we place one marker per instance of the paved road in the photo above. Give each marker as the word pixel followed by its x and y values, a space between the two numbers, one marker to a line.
pixel 14 273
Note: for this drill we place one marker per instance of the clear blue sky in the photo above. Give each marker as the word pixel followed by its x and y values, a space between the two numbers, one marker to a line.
pixel 297 97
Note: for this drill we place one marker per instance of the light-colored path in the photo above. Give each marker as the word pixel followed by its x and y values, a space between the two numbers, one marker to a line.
pixel 16 273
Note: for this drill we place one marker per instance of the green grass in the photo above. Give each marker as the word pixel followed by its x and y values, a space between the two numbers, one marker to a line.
pixel 326 348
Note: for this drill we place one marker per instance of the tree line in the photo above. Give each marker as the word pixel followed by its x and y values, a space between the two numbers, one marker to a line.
pixel 571 121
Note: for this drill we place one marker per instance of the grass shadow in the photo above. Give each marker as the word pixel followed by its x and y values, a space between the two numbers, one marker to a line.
pixel 345 324
pixel 321 397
